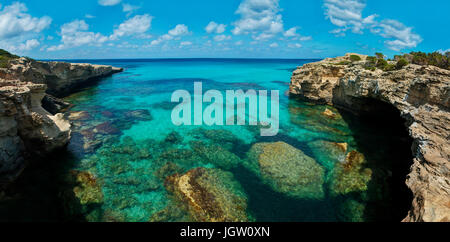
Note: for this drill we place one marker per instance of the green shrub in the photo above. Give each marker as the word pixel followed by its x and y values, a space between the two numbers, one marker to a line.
pixel 379 55
pixel 354 58
pixel 343 63
pixel 402 63
pixel 389 67
pixel 372 60
pixel 381 63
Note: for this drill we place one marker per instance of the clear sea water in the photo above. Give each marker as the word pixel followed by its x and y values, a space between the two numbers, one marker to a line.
pixel 129 144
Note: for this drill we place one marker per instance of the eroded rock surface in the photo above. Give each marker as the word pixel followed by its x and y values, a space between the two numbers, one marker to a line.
pixel 26 128
pixel 287 170
pixel 60 77
pixel 210 195
pixel 420 93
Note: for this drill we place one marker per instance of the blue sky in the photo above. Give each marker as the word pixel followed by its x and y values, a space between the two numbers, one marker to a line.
pixel 54 29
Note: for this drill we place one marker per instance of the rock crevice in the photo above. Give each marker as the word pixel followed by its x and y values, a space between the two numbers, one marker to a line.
pixel 420 93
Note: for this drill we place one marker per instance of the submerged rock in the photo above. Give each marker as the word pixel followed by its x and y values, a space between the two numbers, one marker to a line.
pixel 287 170
pixel 140 115
pixel 210 195
pixel 216 155
pixel 79 116
pixel 351 176
pixel 106 128
pixel 328 153
pixel 174 138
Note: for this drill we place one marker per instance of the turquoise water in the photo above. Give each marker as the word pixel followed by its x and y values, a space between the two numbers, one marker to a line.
pixel 126 142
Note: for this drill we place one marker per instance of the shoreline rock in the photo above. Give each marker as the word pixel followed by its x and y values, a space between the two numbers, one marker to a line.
pixel 420 93
pixel 27 90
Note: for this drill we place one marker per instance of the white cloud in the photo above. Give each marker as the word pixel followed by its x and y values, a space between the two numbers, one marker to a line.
pixel 260 18
pixel 295 46
pixel 16 22
pixel 347 15
pixel 292 32
pixel 240 42
pixel 215 27
pixel 109 2
pixel 177 32
pixel 221 37
pixel 443 51
pixel 75 34
pixel 400 36
pixel 273 45
pixel 89 16
pixel 129 9
pixel 27 45
pixel 185 43
pixel 138 25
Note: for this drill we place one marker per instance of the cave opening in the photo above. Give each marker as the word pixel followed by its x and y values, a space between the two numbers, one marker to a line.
pixel 382 135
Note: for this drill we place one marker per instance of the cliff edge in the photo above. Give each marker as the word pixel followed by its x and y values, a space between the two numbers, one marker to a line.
pixel 420 93
pixel 26 128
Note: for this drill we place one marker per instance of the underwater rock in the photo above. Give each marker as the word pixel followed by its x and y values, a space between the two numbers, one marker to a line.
pixel 140 114
pixel 352 211
pixel 165 105
pixel 328 153
pixel 168 169
pixel 88 190
pixel 108 114
pixel 173 212
pixel 350 175
pixel 79 116
pixel 174 138
pixel 329 114
pixel 287 170
pixel 106 128
pixel 82 194
pixel 215 155
pixel 211 195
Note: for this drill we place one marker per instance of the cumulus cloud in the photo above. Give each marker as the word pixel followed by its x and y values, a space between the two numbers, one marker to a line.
pixel 109 2
pixel 400 36
pixel 75 34
pixel 292 33
pixel 15 21
pixel 260 18
pixel 27 45
pixel 178 31
pixel 138 25
pixel 273 45
pixel 215 27
pixel 347 15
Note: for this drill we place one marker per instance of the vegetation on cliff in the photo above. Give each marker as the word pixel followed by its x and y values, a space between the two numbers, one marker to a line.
pixel 5 57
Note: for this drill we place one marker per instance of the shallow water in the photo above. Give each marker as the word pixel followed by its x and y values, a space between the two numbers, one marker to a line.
pixel 127 141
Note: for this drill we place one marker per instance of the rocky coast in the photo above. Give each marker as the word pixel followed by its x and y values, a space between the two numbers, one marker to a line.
pixel 31 124
pixel 421 94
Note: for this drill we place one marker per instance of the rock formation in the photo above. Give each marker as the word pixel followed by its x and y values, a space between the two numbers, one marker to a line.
pixel 61 78
pixel 26 128
pixel 420 93
pixel 287 170
pixel 210 195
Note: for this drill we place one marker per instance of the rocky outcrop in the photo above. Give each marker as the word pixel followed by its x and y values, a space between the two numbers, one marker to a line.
pixel 420 93
pixel 26 128
pixel 209 195
pixel 61 78
pixel 26 98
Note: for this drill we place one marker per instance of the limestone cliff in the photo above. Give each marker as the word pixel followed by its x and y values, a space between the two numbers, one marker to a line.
pixel 26 128
pixel 61 78
pixel 420 93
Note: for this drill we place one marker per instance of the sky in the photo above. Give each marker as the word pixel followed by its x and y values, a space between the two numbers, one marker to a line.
pixel 109 29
